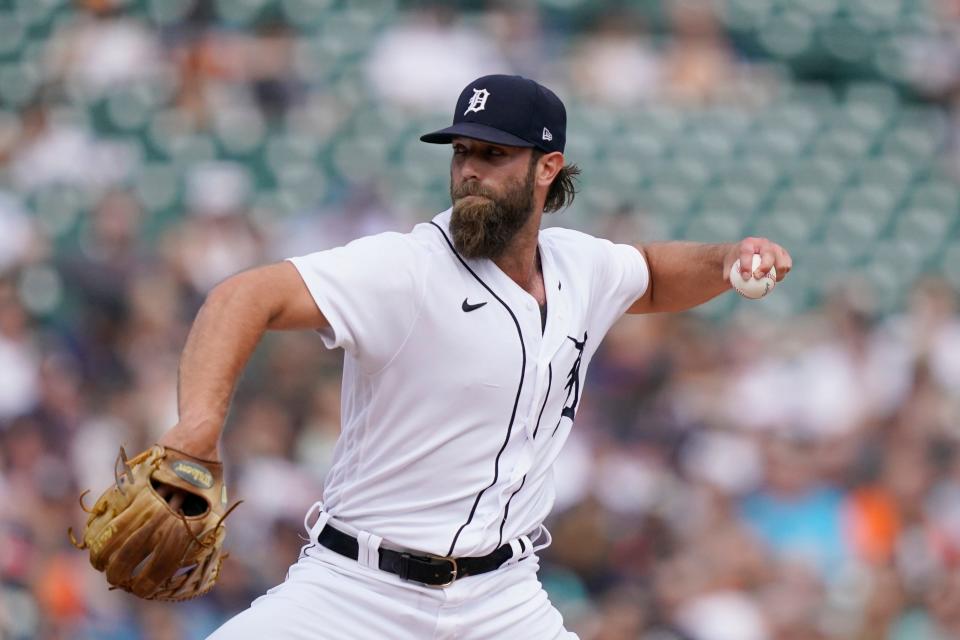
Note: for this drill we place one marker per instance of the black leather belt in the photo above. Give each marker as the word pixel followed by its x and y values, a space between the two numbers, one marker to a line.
pixel 435 571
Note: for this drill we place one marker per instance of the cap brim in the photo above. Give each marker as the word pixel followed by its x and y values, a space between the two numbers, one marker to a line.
pixel 476 131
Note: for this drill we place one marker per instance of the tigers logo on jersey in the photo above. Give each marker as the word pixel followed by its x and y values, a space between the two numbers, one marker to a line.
pixel 573 382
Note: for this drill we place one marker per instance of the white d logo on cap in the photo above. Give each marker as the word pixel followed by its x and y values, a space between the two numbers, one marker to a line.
pixel 478 101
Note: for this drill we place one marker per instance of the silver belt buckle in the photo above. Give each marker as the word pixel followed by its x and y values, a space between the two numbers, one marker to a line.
pixel 453 571
pixel 431 560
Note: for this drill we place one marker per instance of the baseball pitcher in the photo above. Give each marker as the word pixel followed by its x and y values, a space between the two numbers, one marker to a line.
pixel 467 341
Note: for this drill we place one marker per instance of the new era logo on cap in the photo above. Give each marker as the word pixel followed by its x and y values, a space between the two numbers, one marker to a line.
pixel 507 110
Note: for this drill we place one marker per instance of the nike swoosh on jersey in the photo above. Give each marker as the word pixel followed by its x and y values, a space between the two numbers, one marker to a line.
pixel 467 307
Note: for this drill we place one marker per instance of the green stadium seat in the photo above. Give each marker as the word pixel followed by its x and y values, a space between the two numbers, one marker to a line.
pixel 165 126
pixel 892 171
pixel 186 151
pixel 282 148
pixel 786 230
pixel 787 35
pixel 937 193
pixel 845 143
pixel 918 133
pixel 239 12
pixel 811 198
pixel 347 33
pixel 420 164
pixel 847 41
pixel 665 119
pixel 306 14
pixel 876 14
pixel 877 94
pixel 926 225
pixel 667 199
pixel 801 120
pixel 950 263
pixel 13 35
pixel 746 14
pixel 818 9
pixel 58 207
pixel 581 147
pixel 19 82
pixel 315 59
pixel 359 158
pixel 719 307
pixel 130 107
pixel 302 184
pixel 754 170
pixel 904 256
pixel 167 12
pixel 240 131
pixel 644 144
pixel 157 187
pixel 35 13
pixel 740 197
pixel 716 225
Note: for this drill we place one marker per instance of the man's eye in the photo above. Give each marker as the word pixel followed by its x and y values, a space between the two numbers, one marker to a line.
pixel 495 152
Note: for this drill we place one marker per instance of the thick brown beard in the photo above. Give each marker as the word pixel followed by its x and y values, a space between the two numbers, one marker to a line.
pixel 484 227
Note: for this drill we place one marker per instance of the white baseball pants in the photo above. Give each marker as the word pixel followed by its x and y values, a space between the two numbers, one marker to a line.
pixel 327 596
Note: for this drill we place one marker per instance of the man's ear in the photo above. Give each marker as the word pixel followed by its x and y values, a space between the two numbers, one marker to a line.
pixel 548 166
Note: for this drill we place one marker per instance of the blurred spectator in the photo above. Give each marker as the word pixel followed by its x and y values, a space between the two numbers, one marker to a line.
pixel 19 360
pixel 434 39
pixel 104 49
pixel 797 517
pixel 16 233
pixel 54 153
pixel 698 63
pixel 615 64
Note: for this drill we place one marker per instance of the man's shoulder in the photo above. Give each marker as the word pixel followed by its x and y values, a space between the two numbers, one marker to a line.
pixel 569 240
pixel 566 234
pixel 431 235
pixel 422 237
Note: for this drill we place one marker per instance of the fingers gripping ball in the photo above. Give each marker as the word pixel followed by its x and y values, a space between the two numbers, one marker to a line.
pixel 158 532
pixel 755 287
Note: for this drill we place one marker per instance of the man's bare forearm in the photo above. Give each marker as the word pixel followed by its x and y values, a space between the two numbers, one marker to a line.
pixel 686 274
pixel 683 275
pixel 224 334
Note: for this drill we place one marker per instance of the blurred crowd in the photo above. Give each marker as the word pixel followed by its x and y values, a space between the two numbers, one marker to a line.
pixel 751 480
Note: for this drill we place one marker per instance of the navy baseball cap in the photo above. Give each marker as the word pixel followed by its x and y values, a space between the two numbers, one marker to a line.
pixel 507 110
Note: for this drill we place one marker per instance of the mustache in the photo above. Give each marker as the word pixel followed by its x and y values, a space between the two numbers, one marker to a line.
pixel 472 188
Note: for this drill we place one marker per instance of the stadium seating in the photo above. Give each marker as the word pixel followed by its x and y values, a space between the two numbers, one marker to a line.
pixel 845 178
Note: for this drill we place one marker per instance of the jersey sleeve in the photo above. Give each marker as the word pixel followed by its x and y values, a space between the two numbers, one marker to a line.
pixel 621 276
pixel 370 292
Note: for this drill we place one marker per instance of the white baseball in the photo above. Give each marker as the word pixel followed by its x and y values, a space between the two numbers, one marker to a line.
pixel 754 287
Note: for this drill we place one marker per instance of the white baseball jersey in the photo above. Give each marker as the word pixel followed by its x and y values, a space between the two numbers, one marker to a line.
pixel 456 401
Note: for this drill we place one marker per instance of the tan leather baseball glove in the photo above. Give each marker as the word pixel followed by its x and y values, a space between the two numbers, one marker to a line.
pixel 158 532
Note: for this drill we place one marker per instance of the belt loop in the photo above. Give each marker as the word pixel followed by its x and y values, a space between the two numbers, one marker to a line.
pixel 318 525
pixel 403 569
pixel 523 546
pixel 542 533
pixel 368 549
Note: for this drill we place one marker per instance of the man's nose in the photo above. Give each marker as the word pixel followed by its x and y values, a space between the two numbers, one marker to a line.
pixel 470 169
